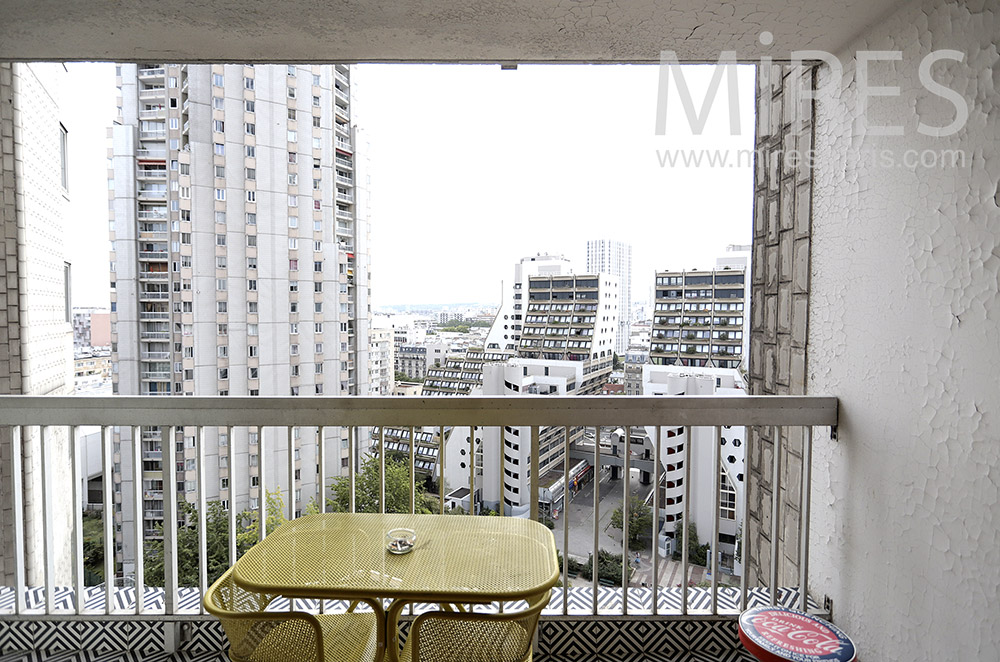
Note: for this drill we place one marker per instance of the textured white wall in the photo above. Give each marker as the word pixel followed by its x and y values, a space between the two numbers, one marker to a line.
pixel 903 316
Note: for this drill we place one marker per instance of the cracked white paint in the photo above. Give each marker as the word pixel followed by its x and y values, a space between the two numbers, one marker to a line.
pixel 903 328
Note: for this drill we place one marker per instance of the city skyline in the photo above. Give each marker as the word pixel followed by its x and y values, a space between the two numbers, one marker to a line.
pixel 491 199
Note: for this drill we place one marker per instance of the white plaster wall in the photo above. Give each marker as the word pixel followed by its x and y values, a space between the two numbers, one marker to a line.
pixel 903 316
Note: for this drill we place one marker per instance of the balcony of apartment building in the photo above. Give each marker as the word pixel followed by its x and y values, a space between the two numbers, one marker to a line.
pixel 896 504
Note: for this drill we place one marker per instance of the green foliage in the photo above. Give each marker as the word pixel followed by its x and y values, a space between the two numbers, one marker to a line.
pixel 455 328
pixel 93 548
pixel 697 553
pixel 640 521
pixel 609 567
pixel 216 540
pixel 366 490
pixel 481 323
pixel 616 363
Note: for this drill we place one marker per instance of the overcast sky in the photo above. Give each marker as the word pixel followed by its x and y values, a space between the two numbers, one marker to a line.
pixel 473 168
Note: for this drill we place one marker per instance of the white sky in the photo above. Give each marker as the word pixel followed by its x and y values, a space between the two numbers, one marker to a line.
pixel 473 168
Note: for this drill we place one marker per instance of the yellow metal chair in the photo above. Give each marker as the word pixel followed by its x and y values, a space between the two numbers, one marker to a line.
pixel 472 637
pixel 256 635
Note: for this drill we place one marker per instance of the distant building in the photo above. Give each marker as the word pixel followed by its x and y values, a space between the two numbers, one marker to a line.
pixel 415 360
pixel 381 363
pixel 636 357
pixel 505 333
pixel 614 258
pixel 91 327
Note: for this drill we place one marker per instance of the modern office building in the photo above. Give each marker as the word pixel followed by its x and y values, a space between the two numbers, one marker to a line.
pixel 699 318
pixel 240 261
pixel 614 258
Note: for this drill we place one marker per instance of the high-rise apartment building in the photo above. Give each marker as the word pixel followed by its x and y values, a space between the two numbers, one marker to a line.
pixel 699 318
pixel 614 258
pixel 505 333
pixel 240 260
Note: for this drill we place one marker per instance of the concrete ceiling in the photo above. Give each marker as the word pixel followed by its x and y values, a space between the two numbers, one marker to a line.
pixel 435 31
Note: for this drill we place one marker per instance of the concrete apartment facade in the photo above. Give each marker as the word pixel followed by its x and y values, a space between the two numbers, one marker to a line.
pixel 699 318
pixel 240 263
pixel 606 256
pixel 505 333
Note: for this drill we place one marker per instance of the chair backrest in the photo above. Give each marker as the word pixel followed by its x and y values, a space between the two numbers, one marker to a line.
pixel 248 626
pixel 474 637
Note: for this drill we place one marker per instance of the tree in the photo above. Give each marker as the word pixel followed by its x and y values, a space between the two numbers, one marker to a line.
pixel 697 553
pixel 609 568
pixel 616 362
pixel 366 490
pixel 640 520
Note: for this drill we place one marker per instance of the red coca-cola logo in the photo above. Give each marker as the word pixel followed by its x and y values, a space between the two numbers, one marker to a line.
pixel 801 634
pixel 774 633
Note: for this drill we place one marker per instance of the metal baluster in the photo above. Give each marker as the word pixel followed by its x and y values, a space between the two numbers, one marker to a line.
pixel 627 431
pixel 413 472
pixel 534 482
pixel 717 505
pixel 597 513
pixel 291 472
pixel 500 474
pixel 353 434
pixel 441 455
pixel 48 535
pixel 107 463
pixel 807 434
pixel 472 470
pixel 565 512
pixel 684 519
pixel 261 487
pixel 78 587
pixel 656 522
pixel 170 526
pixel 137 532
pixel 381 470
pixel 202 513
pixel 744 538
pixel 775 511
pixel 321 455
pixel 231 454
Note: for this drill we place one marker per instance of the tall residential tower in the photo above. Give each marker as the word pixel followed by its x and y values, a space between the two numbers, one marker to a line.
pixel 614 258
pixel 240 260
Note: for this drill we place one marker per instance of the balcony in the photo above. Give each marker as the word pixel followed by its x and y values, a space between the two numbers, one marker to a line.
pixel 152 93
pixel 157 72
pixel 147 194
pixel 145 173
pixel 153 296
pixel 151 154
pixel 341 94
pixel 343 162
pixel 154 275
pixel 153 135
pixel 154 335
pixel 341 77
pixel 343 213
pixel 342 111
pixel 345 197
pixel 151 215
pixel 346 181
pixel 147 315
pixel 153 114
pixel 64 592
pixel 153 255
pixel 344 145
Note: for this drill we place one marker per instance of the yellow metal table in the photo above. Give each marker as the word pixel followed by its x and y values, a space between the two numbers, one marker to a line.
pixel 457 559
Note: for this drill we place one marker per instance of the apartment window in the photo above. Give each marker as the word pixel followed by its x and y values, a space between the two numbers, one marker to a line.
pixel 249 106
pixel 252 351
pixel 251 173
pixel 318 307
pixel 220 149
pixel 317 204
pixel 248 83
pixel 174 165
pixel 224 483
pixel 252 284
pixel 318 368
pixel 293 265
pixel 293 201
pixel 316 122
pixel 317 287
pixel 220 217
pixel 293 349
pixel 319 348
pixel 293 306
pixel 318 327
pixel 251 196
pixel 291 113
pixel 293 243
pixel 252 307
pixel 185 259
pixel 316 101
pixel 251 263
pixel 250 129
pixel 315 79
pixel 317 143
pixel 252 330
pixel 218 102
pixel 251 151
pixel 253 373
pixel 223 329
pixel 220 284
pixel 317 225
pixel 293 328
pixel 293 179
pixel 293 221
pixel 293 286
pixel 318 246
pixel 222 306
pixel 175 123
pixel 223 373
pixel 291 92
pixel 219 126
pixel 220 194
pixel 319 389
pixel 174 144
pixel 292 136
pixel 251 218
pixel 218 81
pixel 220 240
pixel 292 157
pixel 220 263
pixel 318 266
pixel 294 390
pixel 184 192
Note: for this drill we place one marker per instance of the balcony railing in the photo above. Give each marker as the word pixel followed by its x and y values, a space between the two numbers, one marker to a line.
pixel 152 194
pixel 146 215
pixel 341 161
pixel 29 417
pixel 159 134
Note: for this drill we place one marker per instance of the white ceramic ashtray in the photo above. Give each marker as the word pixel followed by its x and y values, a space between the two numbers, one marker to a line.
pixel 400 541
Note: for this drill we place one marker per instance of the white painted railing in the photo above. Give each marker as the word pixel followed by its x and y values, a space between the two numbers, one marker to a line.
pixel 26 418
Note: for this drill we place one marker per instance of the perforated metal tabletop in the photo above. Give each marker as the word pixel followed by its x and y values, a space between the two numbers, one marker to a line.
pixel 456 558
